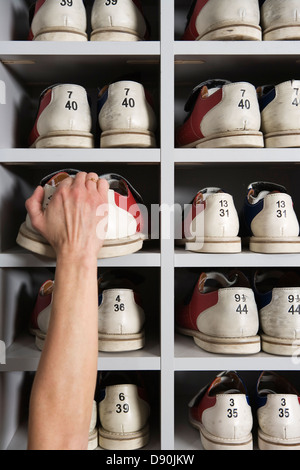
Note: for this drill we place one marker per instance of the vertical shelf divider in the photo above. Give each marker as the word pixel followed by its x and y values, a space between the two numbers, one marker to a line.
pixel 167 224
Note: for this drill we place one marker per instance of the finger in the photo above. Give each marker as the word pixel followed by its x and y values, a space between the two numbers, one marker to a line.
pixel 34 206
pixel 79 179
pixel 67 182
pixel 91 180
pixel 103 187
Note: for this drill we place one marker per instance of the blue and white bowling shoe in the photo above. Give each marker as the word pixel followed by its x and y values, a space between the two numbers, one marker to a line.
pixel 280 113
pixel 270 219
pixel 278 413
pixel 280 20
pixel 277 295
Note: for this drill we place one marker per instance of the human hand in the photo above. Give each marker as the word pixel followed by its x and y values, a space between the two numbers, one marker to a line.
pixel 70 221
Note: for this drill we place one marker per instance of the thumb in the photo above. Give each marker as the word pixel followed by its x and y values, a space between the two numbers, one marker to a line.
pixel 35 208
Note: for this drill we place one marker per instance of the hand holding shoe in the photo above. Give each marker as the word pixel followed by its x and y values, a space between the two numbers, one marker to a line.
pixel 70 221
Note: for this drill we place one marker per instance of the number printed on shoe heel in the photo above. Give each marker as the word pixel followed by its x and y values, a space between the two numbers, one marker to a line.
pixel 128 101
pixel 71 105
pixel 244 102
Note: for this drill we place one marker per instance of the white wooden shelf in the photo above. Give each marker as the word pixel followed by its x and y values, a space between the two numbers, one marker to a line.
pixel 19 258
pixel 237 48
pixel 23 355
pixel 227 156
pixel 40 156
pixel 189 357
pixel 244 259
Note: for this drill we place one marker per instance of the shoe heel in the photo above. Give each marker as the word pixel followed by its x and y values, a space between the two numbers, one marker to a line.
pixel 233 33
pixel 61 34
pixel 275 245
pixel 287 139
pixel 234 139
pixel 126 441
pixel 127 138
pixel 65 139
pixel 118 34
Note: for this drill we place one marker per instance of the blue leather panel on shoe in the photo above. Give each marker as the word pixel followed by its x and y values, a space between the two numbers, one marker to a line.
pixel 101 101
pixel 263 299
pixel 251 211
pixel 266 99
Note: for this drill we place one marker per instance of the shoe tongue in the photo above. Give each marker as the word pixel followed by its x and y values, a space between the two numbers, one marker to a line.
pixel 259 190
pixel 203 194
pixel 121 185
pixel 47 288
pixel 210 86
pixel 209 282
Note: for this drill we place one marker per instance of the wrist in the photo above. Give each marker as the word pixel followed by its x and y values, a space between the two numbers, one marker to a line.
pixel 83 260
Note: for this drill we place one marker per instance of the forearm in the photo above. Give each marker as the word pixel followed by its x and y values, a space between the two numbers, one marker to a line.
pixel 64 386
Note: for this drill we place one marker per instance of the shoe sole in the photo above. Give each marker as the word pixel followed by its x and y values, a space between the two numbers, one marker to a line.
pixel 284 139
pixel 110 249
pixel 232 139
pixel 65 139
pixel 282 33
pixel 215 245
pixel 119 343
pixel 214 344
pixel 280 346
pixel 93 440
pixel 211 442
pixel 233 32
pixel 127 138
pixel 126 441
pixel 275 245
pixel 266 442
pixel 60 34
pixel 115 34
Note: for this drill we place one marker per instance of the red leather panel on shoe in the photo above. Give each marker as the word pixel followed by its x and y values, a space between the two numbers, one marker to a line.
pixel 191 32
pixel 129 204
pixel 42 302
pixel 205 403
pixel 195 210
pixel 38 5
pixel 45 101
pixel 190 131
pixel 187 316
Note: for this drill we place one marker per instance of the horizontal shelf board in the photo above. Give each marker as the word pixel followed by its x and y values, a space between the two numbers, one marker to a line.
pixel 244 48
pixel 243 155
pixel 18 258
pixel 245 259
pixel 15 50
pixel 40 156
pixel 23 355
pixel 189 357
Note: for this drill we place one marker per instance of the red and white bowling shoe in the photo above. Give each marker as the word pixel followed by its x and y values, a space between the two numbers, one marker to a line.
pixel 221 314
pixel 119 20
pixel 125 221
pixel 212 20
pixel 221 114
pixel 63 119
pixel 222 413
pixel 58 20
pixel 211 223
